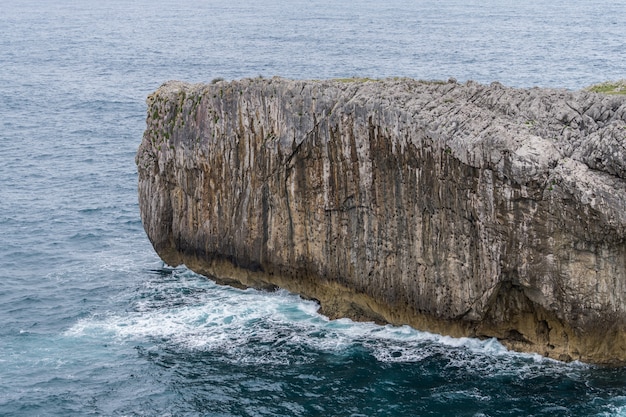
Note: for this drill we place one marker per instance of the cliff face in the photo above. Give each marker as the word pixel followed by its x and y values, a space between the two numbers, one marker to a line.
pixel 468 210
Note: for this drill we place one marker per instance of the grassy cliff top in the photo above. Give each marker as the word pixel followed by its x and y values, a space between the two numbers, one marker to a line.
pixel 609 87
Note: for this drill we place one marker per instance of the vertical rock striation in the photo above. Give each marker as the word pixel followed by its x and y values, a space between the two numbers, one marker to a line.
pixel 468 210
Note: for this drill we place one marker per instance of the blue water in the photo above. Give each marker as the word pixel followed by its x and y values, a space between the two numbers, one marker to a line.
pixel 92 322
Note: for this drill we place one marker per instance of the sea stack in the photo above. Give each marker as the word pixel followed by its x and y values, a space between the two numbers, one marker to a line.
pixel 463 209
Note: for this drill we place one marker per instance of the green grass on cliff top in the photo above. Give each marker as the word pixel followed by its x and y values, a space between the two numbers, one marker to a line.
pixel 609 87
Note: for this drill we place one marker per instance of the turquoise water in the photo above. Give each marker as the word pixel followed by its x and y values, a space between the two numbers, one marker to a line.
pixel 92 322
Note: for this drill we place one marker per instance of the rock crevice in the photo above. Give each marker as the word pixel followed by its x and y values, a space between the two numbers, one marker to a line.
pixel 464 209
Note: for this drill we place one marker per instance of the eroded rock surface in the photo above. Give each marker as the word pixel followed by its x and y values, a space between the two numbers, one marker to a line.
pixel 464 209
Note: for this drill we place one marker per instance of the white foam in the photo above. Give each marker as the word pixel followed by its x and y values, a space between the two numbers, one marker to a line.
pixel 617 409
pixel 250 326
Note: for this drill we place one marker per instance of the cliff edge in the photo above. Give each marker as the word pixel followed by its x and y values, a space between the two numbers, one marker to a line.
pixel 463 209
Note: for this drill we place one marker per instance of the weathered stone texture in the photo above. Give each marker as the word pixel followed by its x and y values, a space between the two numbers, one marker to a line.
pixel 458 208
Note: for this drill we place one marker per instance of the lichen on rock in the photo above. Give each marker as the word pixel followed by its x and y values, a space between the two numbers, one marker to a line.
pixel 464 209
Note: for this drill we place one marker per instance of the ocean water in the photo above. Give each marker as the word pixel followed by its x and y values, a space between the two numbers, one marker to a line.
pixel 93 323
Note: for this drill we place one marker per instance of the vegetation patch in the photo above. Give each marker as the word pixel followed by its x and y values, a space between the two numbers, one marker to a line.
pixel 609 87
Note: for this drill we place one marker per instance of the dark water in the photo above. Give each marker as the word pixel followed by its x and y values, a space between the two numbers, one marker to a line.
pixel 92 323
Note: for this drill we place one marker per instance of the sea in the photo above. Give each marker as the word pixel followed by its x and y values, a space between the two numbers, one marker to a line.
pixel 93 323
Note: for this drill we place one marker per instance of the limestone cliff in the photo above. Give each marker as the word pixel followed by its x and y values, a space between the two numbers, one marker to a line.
pixel 464 209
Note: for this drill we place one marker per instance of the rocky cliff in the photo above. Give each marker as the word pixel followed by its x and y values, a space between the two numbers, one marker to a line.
pixel 464 209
